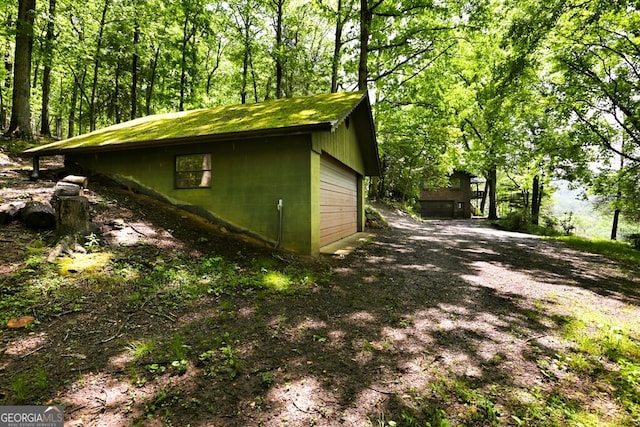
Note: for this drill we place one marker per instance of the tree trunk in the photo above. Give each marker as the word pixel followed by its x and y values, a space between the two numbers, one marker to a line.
pixel 72 110
pixel 279 4
pixel 116 95
pixel 183 61
pixel 493 203
pixel 72 215
pixel 3 112
pixel 366 16
pixel 614 227
pixel 152 80
pixel 245 65
pixel 483 202
pixel 215 67
pixel 536 196
pixel 8 67
pixel 96 66
pixel 187 35
pixel 253 78
pixel 45 128
pixel 20 124
pixel 337 48
pixel 134 71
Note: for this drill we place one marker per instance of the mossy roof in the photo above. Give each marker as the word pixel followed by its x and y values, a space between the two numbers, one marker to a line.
pixel 303 114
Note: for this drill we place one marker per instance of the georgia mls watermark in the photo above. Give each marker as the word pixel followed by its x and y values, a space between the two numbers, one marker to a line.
pixel 31 416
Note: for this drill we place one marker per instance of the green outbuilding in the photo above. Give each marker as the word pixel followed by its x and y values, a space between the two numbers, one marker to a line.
pixel 289 172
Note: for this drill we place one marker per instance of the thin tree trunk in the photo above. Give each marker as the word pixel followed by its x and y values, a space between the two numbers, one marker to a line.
pixel 493 203
pixel 152 80
pixel 215 67
pixel 134 70
pixel 116 96
pixel 279 4
pixel 8 67
pixel 45 129
pixel 72 110
pixel 536 197
pixel 245 65
pixel 3 113
pixel 20 124
pixel 337 47
pixel 614 227
pixel 186 37
pixel 96 66
pixel 183 60
pixel 616 213
pixel 253 78
pixel 366 16
pixel 485 193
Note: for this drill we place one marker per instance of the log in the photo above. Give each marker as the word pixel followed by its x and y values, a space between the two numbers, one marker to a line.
pixel 38 215
pixel 63 189
pixel 10 212
pixel 72 215
pixel 82 181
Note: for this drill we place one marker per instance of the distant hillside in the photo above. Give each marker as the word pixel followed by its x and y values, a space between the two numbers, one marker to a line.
pixel 588 221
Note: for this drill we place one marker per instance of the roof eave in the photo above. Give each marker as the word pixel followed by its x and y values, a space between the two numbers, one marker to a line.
pixel 370 150
pixel 291 130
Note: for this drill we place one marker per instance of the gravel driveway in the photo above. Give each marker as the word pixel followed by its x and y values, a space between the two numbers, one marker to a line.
pixel 388 331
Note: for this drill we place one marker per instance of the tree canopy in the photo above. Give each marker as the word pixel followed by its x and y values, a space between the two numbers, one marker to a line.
pixel 517 93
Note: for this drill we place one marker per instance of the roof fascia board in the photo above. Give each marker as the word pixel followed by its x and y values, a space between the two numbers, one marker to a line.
pixel 293 130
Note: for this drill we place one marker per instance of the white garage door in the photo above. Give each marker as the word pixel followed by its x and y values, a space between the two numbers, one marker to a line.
pixel 338 201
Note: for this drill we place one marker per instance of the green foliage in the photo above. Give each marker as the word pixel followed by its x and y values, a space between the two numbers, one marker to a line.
pixel 27 388
pixel 613 249
pixel 634 239
pixel 515 221
pixel 602 339
pixel 223 361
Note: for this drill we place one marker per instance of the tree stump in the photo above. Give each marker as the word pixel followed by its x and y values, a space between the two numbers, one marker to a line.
pixel 72 214
pixel 38 215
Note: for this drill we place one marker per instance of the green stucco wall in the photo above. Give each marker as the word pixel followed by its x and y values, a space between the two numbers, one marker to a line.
pixel 342 144
pixel 248 179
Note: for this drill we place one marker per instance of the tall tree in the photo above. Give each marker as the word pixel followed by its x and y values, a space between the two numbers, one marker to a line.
pixel 96 66
pixel 45 128
pixel 20 124
pixel 278 54
pixel 596 49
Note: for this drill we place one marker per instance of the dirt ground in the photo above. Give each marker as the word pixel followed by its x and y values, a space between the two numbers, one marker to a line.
pixel 388 325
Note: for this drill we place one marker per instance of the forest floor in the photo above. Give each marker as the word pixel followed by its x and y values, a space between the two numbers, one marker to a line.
pixel 164 322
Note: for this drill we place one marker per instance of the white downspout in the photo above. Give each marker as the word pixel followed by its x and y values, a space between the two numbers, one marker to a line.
pixel 280 208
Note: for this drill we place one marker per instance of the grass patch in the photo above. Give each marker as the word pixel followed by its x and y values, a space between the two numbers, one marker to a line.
pixel 607 351
pixel 612 249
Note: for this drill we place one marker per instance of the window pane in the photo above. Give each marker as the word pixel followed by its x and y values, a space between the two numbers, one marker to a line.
pixel 193 171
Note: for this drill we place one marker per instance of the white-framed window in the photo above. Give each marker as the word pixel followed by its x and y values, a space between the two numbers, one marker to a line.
pixel 193 171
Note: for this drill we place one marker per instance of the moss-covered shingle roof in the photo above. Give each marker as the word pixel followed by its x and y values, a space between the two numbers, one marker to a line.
pixel 319 112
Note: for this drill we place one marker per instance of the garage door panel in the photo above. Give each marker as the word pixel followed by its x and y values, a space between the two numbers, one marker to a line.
pixel 338 201
pixel 437 208
pixel 338 183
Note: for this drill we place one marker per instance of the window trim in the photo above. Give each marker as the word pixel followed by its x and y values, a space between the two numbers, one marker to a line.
pixel 177 173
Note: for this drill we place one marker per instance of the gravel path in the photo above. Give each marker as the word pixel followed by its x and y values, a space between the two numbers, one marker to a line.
pixel 387 331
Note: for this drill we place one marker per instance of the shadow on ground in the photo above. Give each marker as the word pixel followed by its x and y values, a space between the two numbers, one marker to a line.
pixel 392 332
